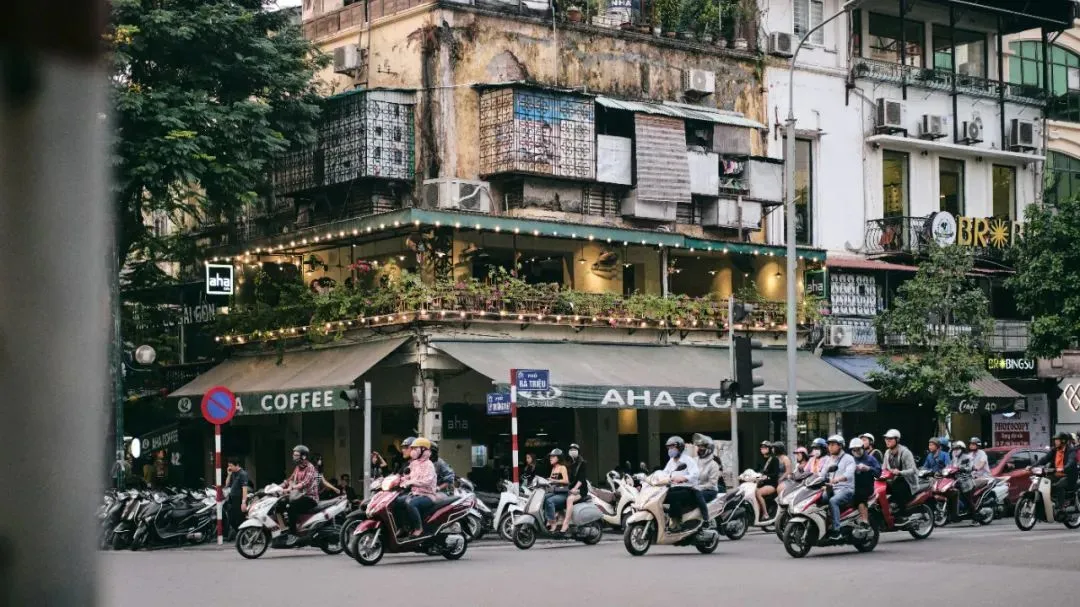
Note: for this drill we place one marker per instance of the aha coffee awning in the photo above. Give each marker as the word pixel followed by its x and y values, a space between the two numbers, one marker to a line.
pixel 656 376
pixel 294 382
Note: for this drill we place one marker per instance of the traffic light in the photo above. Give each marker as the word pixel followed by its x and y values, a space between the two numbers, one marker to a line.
pixel 745 363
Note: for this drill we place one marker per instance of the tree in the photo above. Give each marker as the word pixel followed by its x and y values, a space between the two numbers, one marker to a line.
pixel 1047 262
pixel 937 363
pixel 205 94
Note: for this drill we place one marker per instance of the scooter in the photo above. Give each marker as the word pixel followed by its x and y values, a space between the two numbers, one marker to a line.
pixel 357 516
pixel 189 517
pixel 1036 504
pixel 809 524
pixel 987 495
pixel 741 508
pixel 787 492
pixel 617 503
pixel 586 521
pixel 652 522
pixel 124 531
pixel 511 503
pixel 382 532
pixel 919 518
pixel 316 528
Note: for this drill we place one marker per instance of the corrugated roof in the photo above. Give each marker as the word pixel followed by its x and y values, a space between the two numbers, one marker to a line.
pixel 681 110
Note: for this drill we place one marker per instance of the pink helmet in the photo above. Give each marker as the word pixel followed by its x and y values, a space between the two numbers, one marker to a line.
pixel 801 450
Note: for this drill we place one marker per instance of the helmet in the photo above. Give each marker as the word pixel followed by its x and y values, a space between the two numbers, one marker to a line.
pixel 703 442
pixel 801 450
pixel 937 441
pixel 766 443
pixel 867 435
pixel 819 442
pixel 555 452
pixel 975 440
pixel 405 444
pixel 779 448
pixel 836 438
pixel 1063 436
pixel 893 434
pixel 958 444
pixel 421 443
pixel 302 450
pixel 856 443
pixel 675 441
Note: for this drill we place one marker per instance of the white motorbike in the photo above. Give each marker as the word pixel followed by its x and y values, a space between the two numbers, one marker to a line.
pixel 1036 504
pixel 511 503
pixel 316 528
pixel 741 509
pixel 617 503
pixel 810 522
pixel 652 522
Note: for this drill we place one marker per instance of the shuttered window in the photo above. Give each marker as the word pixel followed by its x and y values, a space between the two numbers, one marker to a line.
pixel 808 14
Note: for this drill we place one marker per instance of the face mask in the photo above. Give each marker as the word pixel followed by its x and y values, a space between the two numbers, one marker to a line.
pixel 673 452
pixel 573 453
pixel 702 452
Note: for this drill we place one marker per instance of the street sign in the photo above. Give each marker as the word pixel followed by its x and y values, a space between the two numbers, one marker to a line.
pixel 219 279
pixel 218 405
pixel 532 380
pixel 498 403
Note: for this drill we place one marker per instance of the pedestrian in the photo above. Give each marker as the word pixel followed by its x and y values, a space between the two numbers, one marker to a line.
pixel 345 486
pixel 528 473
pixel 378 465
pixel 236 504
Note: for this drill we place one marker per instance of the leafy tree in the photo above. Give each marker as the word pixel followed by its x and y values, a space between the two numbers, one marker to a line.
pixel 205 93
pixel 1047 262
pixel 934 364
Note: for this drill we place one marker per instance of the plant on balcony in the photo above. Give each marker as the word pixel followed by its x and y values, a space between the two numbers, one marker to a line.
pixel 708 22
pixel 937 365
pixel 668 12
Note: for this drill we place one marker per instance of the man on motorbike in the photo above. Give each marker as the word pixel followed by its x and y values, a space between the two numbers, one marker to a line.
pixel 937 459
pixel 771 471
pixel 708 475
pixel 444 474
pixel 421 482
pixel 901 461
pixel 866 470
pixel 868 445
pixel 1063 458
pixel 683 472
pixel 405 450
pixel 818 449
pixel 842 480
pixel 302 486
pixel 980 464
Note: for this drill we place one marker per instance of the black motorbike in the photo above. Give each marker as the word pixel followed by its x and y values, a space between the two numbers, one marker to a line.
pixel 189 517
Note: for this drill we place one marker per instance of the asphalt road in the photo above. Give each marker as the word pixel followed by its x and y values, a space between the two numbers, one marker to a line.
pixel 994 565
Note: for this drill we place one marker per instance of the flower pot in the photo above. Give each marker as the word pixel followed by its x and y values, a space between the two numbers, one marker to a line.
pixel 741 44
pixel 574 14
pixel 656 31
pixel 669 34
pixel 686 35
pixel 644 29
pixel 706 38
pixel 721 42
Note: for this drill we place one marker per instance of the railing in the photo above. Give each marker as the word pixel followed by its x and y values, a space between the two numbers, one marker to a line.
pixel 164 378
pixel 896 235
pixel 943 80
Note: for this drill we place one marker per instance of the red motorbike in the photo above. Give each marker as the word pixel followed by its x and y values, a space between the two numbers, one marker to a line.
pixel 947 498
pixel 381 532
pixel 919 520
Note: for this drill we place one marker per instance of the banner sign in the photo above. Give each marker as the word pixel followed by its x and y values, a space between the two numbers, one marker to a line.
pixel 288 401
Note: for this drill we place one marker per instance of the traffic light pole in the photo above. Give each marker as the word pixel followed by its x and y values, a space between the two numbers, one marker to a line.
pixel 731 370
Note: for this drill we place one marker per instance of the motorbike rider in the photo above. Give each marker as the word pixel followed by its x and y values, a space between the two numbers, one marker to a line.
pixel 708 475
pixel 965 485
pixel 868 445
pixel 301 487
pixel 579 485
pixel 818 449
pixel 421 482
pixel 802 460
pixel 559 479
pixel 842 480
pixel 780 453
pixel 405 451
pixel 444 474
pixel 771 471
pixel 1063 458
pixel 866 470
pixel 901 461
pixel 980 464
pixel 683 472
pixel 937 459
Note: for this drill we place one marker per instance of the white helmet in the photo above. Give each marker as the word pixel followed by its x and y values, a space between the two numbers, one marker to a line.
pixel 856 443
pixel 893 433
pixel 959 445
pixel 836 438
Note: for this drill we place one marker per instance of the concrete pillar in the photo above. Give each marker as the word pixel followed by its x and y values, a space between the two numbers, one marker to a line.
pixel 648 423
pixel 294 435
pixel 342 443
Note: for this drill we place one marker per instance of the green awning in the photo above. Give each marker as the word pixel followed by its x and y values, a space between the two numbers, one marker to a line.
pixel 296 382
pixel 657 376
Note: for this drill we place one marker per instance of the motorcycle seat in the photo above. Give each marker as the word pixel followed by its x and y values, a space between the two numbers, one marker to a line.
pixel 442 499
pixel 181 513
pixel 983 481
pixel 604 495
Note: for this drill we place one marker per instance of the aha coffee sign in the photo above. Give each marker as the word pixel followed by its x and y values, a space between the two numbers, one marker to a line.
pixel 219 279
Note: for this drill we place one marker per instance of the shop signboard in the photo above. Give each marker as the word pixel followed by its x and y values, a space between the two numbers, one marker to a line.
pixel 978 406
pixel 219 279
pixel 646 398
pixel 498 403
pixel 285 401
pixel 162 438
pixel 457 421
pixel 533 379
pixel 1011 366
pixel 1068 405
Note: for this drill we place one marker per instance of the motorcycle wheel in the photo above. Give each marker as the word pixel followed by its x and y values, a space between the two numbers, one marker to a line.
pixel 118 541
pixel 627 511
pixel 781 522
pixel 870 543
pixel 138 540
pixel 334 545
pixel 922 532
pixel 368 548
pixel 346 535
pixel 986 519
pixel 1072 521
pixel 453 555
pixel 525 537
pixel 1025 514
pixel 252 542
pixel 710 546
pixel 595 533
pixel 740 523
pixel 941 514
pixel 799 537
pixel 637 538
pixel 506 527
pixel 474 529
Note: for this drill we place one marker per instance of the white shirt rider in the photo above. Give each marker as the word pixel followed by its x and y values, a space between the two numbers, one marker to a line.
pixel 688 476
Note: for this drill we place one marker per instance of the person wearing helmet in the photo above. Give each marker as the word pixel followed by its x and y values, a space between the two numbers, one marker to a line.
pixel 403 466
pixel 838 470
pixel 937 458
pixel 1063 460
pixel 802 460
pixel 302 487
pixel 770 469
pixel 682 469
pixel 866 470
pixel 709 481
pixel 444 474
pixel 421 482
pixel 559 479
pixel 818 450
pixel 901 462
pixel 578 483
pixel 980 464
pixel 780 452
pixel 868 444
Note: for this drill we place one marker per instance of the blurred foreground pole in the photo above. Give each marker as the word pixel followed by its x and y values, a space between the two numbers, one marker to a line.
pixel 55 228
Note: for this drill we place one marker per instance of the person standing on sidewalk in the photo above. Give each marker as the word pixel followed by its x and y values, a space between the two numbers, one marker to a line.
pixel 238 483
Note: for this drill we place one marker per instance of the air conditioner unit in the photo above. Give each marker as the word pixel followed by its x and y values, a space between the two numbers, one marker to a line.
pixel 932 126
pixel 838 336
pixel 781 44
pixel 699 82
pixel 890 114
pixel 458 195
pixel 1022 135
pixel 972 131
pixel 349 59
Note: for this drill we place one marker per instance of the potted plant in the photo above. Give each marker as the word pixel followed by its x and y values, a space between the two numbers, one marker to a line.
pixel 744 13
pixel 669 16
pixel 574 14
pixel 709 22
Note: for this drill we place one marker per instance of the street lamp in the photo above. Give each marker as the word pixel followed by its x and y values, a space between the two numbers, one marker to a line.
pixel 789 203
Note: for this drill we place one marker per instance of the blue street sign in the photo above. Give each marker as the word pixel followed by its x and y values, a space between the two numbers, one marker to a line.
pixel 533 380
pixel 498 403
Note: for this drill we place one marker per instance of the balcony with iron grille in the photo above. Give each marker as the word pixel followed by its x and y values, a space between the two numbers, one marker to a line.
pixel 944 81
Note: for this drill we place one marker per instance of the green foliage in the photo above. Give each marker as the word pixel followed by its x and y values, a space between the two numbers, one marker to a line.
pixel 709 19
pixel 936 365
pixel 669 13
pixel 1047 263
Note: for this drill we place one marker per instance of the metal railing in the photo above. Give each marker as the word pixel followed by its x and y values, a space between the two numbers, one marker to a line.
pixel 896 235
pixel 943 80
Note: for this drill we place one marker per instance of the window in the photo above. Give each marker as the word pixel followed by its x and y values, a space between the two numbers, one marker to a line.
pixel 1004 191
pixel 1064 181
pixel 970 51
pixel 1019 460
pixel 951 186
pixel 894 174
pixel 804 191
pixel 808 14
pixel 885 35
pixel 1026 70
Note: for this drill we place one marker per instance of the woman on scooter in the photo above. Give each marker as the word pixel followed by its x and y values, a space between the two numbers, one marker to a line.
pixel 559 480
pixel 421 481
pixel 818 449
pixel 579 485
pixel 802 460
pixel 780 453
pixel 771 471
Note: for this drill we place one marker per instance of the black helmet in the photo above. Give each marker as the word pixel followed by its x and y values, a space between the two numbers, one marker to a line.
pixel 975 440
pixel 766 443
pixel 779 448
pixel 677 442
pixel 405 444
pixel 555 452
pixel 1063 436
pixel 302 450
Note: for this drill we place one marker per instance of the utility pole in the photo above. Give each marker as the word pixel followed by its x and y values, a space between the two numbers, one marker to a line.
pixel 731 374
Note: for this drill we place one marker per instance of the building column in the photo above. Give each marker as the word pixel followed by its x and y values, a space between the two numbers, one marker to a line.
pixel 343 443
pixel 597 431
pixel 648 424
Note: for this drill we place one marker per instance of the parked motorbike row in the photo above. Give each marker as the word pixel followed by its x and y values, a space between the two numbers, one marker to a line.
pixel 136 519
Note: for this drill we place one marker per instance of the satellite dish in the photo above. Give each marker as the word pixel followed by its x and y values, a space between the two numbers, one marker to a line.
pixel 135 448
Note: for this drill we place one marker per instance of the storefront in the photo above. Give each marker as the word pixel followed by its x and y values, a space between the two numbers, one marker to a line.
pixel 1027 425
pixel 1068 406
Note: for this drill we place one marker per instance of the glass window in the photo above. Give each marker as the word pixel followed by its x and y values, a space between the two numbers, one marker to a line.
pixel 808 14
pixel 1025 67
pixel 1004 191
pixel 970 51
pixel 804 191
pixel 1019 460
pixel 885 35
pixel 894 173
pixel 951 186
pixel 1063 181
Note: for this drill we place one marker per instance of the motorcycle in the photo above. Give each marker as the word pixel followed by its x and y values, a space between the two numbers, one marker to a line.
pixel 741 508
pixel 381 533
pixel 989 493
pixel 187 517
pixel 810 521
pixel 124 531
pixel 111 513
pixel 787 492
pixel 356 516
pixel 480 518
pixel 651 523
pixel 315 528
pixel 586 521
pixel 617 503
pixel 511 503
pixel 919 518
pixel 1036 504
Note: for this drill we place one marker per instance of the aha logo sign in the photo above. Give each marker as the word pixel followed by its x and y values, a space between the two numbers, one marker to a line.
pixel 219 279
